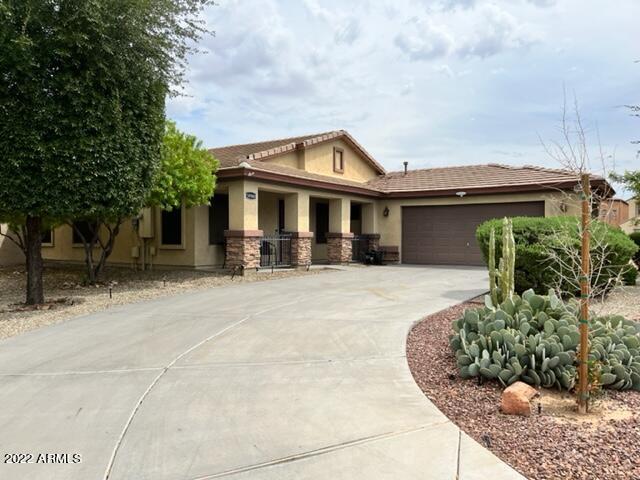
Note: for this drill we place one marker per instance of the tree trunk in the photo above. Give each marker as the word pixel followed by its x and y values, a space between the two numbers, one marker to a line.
pixel 35 292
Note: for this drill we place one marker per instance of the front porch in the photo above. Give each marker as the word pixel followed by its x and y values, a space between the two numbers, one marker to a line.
pixel 278 226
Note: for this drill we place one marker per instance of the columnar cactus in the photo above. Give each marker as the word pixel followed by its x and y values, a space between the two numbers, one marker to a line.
pixel 508 259
pixel 502 279
pixel 493 281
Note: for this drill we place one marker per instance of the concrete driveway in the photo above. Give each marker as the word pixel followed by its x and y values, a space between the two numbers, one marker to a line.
pixel 301 378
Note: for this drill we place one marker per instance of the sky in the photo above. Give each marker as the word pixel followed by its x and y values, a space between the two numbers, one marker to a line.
pixel 431 82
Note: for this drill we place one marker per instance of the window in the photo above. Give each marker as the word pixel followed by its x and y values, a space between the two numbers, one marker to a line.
pixel 218 218
pixel 281 215
pixel 171 229
pixel 338 160
pixel 322 222
pixel 87 229
pixel 47 238
pixel 356 211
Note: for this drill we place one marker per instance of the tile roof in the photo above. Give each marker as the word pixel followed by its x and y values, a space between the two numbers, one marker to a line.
pixel 303 174
pixel 471 177
pixel 232 155
pixel 444 180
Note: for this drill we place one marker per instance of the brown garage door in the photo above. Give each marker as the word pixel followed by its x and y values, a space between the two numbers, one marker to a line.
pixel 446 235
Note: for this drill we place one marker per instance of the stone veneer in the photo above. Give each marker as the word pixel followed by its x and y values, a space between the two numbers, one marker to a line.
pixel 339 247
pixel 373 241
pixel 243 248
pixel 301 248
pixel 391 254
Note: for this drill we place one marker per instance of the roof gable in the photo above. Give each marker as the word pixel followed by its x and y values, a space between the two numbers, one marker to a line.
pixel 233 155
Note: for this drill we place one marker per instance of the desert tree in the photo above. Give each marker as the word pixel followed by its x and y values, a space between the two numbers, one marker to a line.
pixel 572 152
pixel 185 176
pixel 82 96
pixel 579 258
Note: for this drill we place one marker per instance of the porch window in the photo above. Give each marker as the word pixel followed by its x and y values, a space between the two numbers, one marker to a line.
pixel 322 222
pixel 218 218
pixel 171 228
pixel 338 160
pixel 47 238
pixel 87 229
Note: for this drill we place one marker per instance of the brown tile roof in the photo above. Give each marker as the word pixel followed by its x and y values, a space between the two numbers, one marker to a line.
pixel 233 155
pixel 303 174
pixel 470 177
pixel 430 181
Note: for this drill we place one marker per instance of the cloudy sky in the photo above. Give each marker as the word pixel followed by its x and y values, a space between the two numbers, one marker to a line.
pixel 433 82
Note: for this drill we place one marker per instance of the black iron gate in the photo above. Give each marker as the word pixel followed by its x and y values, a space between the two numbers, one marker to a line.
pixel 275 250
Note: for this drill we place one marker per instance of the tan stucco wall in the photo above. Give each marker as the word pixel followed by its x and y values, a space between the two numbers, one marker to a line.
pixel 633 224
pixel 262 213
pixel 10 254
pixel 390 227
pixel 165 255
pixel 268 212
pixel 319 159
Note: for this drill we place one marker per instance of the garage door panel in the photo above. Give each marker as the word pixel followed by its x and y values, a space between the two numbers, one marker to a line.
pixel 445 234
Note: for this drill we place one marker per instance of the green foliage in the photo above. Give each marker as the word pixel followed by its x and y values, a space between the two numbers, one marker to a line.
pixel 535 236
pixel 186 175
pixel 635 236
pixel 630 179
pixel 501 279
pixel 82 96
pixel 630 275
pixel 535 339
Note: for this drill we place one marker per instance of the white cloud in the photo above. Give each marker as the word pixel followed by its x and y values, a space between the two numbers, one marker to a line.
pixel 404 77
pixel 475 32
pixel 423 40
pixel 495 31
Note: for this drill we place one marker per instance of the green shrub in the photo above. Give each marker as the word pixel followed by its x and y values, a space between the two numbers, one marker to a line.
pixel 536 236
pixel 635 236
pixel 535 339
pixel 630 275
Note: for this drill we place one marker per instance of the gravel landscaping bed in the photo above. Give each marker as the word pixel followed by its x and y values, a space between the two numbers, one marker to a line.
pixel 555 444
pixel 66 297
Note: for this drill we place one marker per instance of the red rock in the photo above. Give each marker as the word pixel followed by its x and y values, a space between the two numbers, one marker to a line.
pixel 516 399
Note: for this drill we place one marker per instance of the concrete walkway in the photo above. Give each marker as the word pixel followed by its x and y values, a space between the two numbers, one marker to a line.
pixel 301 378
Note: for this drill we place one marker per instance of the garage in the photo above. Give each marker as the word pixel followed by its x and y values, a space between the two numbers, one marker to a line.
pixel 445 234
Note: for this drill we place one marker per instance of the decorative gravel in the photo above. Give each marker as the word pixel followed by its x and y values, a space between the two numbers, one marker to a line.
pixel 67 297
pixel 555 444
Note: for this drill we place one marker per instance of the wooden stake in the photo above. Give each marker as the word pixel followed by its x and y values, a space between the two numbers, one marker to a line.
pixel 583 370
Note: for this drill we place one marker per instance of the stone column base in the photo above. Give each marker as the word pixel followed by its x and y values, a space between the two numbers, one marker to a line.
pixel 373 241
pixel 391 254
pixel 301 248
pixel 243 248
pixel 339 247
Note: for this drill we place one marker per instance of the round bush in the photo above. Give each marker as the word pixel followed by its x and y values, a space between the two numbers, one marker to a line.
pixel 536 236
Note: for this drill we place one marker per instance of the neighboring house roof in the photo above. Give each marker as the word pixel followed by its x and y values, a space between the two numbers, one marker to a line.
pixel 231 156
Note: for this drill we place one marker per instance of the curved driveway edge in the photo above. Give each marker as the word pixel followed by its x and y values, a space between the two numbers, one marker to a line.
pixel 299 378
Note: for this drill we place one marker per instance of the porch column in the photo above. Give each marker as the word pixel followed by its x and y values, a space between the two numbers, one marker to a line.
pixel 243 237
pixel 339 236
pixel 296 222
pixel 369 227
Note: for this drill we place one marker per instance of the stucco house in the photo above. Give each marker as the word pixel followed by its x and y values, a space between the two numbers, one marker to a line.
pixel 323 198
pixel 632 223
pixel 614 211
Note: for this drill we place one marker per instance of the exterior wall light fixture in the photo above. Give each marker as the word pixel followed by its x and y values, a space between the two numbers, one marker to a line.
pixel 461 194
pixel 385 212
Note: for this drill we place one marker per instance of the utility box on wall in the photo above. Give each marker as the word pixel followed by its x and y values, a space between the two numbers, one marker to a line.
pixel 145 227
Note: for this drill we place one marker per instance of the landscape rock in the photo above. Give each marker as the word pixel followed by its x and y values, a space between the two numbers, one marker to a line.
pixel 516 399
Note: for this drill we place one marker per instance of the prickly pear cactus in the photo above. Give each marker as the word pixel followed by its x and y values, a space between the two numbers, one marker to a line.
pixel 535 339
